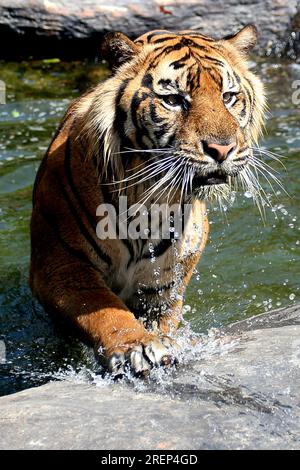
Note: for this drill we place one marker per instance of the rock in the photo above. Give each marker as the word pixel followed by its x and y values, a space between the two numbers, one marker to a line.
pixel 74 27
pixel 292 48
pixel 241 391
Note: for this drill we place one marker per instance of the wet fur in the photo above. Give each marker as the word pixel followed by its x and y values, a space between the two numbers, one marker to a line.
pixel 106 288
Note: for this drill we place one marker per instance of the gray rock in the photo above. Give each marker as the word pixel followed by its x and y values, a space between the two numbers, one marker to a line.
pixel 239 390
pixel 82 19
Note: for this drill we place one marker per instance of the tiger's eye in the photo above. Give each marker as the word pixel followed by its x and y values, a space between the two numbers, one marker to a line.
pixel 174 100
pixel 229 98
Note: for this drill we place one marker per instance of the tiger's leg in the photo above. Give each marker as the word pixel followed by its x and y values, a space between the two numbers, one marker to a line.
pixel 169 322
pixel 77 292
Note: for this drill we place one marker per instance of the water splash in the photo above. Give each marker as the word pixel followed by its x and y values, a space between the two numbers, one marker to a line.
pixel 193 348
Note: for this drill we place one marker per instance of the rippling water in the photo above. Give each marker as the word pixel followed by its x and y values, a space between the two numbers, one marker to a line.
pixel 249 266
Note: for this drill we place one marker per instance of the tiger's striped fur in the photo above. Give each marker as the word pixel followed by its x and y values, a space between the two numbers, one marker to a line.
pixel 153 131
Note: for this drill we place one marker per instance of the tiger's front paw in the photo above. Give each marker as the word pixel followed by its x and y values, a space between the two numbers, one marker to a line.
pixel 143 357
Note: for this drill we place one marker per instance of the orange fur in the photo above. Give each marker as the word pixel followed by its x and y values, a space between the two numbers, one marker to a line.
pixel 92 283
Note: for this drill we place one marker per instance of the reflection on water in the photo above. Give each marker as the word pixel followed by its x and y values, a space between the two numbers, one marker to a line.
pixel 248 267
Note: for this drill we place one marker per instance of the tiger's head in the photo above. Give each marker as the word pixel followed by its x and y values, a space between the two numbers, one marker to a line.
pixel 185 103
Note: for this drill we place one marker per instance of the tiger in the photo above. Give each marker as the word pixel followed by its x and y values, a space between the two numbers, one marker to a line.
pixel 175 122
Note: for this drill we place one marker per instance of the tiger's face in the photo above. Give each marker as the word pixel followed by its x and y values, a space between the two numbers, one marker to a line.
pixel 189 99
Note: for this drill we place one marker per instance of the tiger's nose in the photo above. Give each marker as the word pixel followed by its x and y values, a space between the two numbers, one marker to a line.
pixel 218 152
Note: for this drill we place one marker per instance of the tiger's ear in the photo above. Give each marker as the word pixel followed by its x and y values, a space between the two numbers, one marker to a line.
pixel 245 39
pixel 116 48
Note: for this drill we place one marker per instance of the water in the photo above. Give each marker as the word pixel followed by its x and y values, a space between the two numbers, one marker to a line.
pixel 247 268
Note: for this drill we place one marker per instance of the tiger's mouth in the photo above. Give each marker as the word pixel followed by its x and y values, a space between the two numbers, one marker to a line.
pixel 212 179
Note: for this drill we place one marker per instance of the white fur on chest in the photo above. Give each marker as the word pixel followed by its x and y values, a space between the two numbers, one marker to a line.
pixel 152 272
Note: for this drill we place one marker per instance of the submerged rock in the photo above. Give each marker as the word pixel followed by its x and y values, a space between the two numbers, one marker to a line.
pixel 243 393
pixel 62 24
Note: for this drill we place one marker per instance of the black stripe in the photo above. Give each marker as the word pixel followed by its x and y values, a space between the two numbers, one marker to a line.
pixel 250 97
pixel 143 96
pixel 129 247
pixel 164 82
pixel 240 159
pixel 155 290
pixel 135 104
pixel 147 81
pixel 171 141
pixel 191 81
pixel 95 161
pixel 159 32
pixel 79 254
pixel 161 132
pixel 243 111
pixel 231 83
pixel 69 175
pixel 153 114
pixel 145 129
pixel 238 79
pixel 211 59
pixel 214 75
pixel 199 36
pixel 177 64
pixel 188 41
pixel 164 39
pixel 164 50
pixel 121 115
pixel 159 249
pixel 73 210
